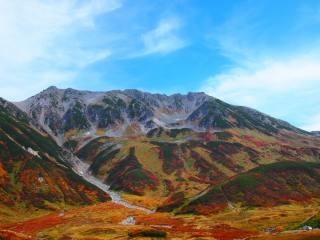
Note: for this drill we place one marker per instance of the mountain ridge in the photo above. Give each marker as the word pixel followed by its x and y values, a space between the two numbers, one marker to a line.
pixel 133 112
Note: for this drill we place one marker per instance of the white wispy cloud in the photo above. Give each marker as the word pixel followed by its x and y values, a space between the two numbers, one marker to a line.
pixel 236 38
pixel 313 124
pixel 39 41
pixel 279 87
pixel 279 80
pixel 251 84
pixel 163 39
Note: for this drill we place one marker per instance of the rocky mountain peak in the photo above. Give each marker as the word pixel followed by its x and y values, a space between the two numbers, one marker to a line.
pixel 51 88
pixel 135 112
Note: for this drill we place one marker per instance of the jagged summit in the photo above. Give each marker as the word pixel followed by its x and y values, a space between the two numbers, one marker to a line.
pixel 134 112
pixel 51 88
pixel 129 91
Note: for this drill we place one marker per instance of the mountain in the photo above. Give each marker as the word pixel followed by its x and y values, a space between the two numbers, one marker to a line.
pixel 180 154
pixel 170 149
pixel 34 172
pixel 66 113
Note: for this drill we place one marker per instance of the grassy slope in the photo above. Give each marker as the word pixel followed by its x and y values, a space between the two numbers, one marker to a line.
pixel 38 180
pixel 185 163
pixel 269 185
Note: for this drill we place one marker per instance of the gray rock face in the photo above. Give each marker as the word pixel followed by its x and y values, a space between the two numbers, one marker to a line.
pixel 114 112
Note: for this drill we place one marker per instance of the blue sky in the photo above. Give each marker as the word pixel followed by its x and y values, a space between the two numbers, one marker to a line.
pixel 262 54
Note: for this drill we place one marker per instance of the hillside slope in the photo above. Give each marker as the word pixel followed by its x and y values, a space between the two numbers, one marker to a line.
pixel 175 165
pixel 265 186
pixel 33 172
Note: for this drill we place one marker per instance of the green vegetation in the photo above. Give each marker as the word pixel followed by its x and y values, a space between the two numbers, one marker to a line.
pixel 171 162
pixel 12 148
pixel 175 132
pixel 11 109
pixel 244 181
pixel 245 119
pixel 205 199
pixel 106 114
pixel 28 137
pixel 37 180
pixel 104 156
pixel 85 151
pixel 287 165
pixel 156 132
pixel 75 118
pixel 310 238
pixel 148 233
pixel 137 110
pixel 71 144
pixel 223 135
pixel 128 175
pixel 91 149
pixel 272 184
pixel 258 175
pixel 313 222
pixel 110 115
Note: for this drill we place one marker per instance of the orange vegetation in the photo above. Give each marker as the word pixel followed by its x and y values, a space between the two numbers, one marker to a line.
pixel 256 143
pixel 143 201
pixel 105 218
pixel 3 173
pixel 10 235
pixel 35 225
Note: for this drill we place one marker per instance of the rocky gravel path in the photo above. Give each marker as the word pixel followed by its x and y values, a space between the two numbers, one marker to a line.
pixel 81 169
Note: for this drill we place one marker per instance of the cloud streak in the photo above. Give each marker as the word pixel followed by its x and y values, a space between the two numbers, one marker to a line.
pixel 271 77
pixel 163 39
pixel 39 44
pixel 278 87
pixel 265 74
pixel 313 123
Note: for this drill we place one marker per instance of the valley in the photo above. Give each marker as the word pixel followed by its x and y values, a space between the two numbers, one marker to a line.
pixel 135 165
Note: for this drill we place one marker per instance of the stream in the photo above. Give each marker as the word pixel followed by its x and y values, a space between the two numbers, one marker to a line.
pixel 82 169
